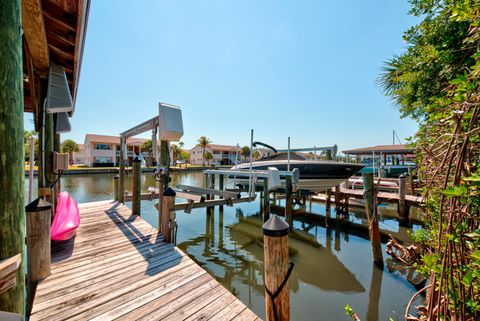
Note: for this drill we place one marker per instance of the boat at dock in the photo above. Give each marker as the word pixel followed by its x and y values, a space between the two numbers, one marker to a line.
pixel 315 175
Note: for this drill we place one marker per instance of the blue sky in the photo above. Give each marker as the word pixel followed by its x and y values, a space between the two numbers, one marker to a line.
pixel 305 69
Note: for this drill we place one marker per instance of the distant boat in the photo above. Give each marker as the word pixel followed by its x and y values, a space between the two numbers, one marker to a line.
pixel 66 220
pixel 315 175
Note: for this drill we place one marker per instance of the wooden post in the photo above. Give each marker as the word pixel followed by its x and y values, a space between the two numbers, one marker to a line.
pixel 168 215
pixel 121 177
pixel 337 197
pixel 266 200
pixel 328 202
pixel 12 172
pixel 221 187
pixel 136 186
pixel 39 217
pixel 402 191
pixel 372 214
pixel 49 174
pixel 57 188
pixel 275 250
pixel 115 187
pixel 289 200
pixel 411 185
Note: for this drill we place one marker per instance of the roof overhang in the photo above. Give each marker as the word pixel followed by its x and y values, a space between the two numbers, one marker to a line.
pixel 54 31
pixel 382 149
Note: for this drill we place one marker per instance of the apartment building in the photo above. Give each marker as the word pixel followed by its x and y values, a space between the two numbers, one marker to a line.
pixel 104 150
pixel 222 155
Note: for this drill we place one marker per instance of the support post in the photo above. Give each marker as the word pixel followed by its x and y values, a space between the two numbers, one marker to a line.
pixel 12 172
pixel 57 188
pixel 328 202
pixel 168 215
pixel 289 200
pixel 49 174
pixel 39 216
pixel 121 177
pixel 115 187
pixel 369 195
pixel 402 191
pixel 411 185
pixel 275 249
pixel 266 200
pixel 337 197
pixel 221 186
pixel 136 186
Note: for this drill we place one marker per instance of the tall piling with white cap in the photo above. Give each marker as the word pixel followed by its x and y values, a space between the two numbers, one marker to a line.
pixel 277 270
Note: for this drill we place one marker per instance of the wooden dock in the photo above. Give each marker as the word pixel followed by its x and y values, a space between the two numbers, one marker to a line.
pixel 118 267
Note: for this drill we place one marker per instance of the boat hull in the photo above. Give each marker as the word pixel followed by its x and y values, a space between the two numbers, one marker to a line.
pixel 315 176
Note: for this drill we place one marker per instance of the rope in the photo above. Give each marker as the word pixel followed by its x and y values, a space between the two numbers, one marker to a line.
pixel 273 296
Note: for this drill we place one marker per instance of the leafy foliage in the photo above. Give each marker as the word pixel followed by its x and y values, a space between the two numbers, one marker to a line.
pixel 439 49
pixel 437 82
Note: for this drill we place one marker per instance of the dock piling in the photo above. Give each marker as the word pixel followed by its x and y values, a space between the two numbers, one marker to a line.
pixel 168 219
pixel 277 270
pixel 337 198
pixel 266 201
pixel 402 206
pixel 115 187
pixel 289 200
pixel 136 186
pixel 328 202
pixel 12 215
pixel 121 177
pixel 39 215
pixel 372 214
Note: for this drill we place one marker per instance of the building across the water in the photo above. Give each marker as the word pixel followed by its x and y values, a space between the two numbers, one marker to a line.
pixel 104 150
pixel 79 157
pixel 222 155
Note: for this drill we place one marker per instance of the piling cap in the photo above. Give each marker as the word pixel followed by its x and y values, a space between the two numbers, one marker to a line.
pixel 403 175
pixel 275 227
pixel 38 205
pixel 116 176
pixel 136 159
pixel 169 192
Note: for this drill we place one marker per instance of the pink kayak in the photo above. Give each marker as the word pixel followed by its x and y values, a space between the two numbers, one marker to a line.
pixel 67 218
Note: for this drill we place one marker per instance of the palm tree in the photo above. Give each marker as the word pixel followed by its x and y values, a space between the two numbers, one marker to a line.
pixel 203 142
pixel 245 151
pixel 176 152
pixel 208 157
pixel 256 154
pixel 147 147
pixel 69 146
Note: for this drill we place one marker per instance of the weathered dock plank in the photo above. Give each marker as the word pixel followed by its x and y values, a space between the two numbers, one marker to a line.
pixel 118 267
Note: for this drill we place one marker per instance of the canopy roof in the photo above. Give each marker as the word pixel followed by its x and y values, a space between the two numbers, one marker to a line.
pixel 54 31
pixel 381 149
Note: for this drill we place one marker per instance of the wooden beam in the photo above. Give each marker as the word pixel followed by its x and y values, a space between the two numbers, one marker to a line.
pixel 64 54
pixel 35 34
pixel 59 21
pixel 208 191
pixel 211 203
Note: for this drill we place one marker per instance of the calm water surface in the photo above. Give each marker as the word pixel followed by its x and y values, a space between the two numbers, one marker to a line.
pixel 332 268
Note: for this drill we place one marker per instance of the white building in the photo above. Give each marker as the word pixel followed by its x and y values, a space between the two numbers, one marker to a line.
pixel 79 157
pixel 222 155
pixel 103 150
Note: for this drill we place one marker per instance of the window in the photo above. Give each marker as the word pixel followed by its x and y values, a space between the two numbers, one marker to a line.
pixel 216 152
pixel 102 146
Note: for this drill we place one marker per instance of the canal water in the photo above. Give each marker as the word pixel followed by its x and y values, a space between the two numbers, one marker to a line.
pixel 332 267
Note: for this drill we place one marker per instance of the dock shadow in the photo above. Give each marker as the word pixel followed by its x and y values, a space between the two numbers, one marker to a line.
pixel 151 246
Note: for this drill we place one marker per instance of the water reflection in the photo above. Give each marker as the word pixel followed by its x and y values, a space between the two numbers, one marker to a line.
pixel 333 264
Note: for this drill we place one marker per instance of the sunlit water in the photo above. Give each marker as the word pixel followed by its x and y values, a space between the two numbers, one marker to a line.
pixel 332 267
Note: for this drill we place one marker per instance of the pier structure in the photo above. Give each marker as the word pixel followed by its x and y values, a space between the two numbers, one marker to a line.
pixel 42 49
pixel 119 267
